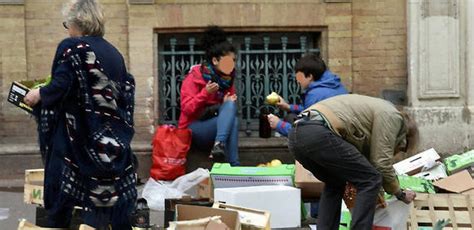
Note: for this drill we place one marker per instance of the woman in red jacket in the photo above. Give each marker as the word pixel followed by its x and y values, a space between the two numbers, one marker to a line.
pixel 208 100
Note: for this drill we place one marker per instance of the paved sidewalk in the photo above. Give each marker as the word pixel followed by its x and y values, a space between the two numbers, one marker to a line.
pixel 12 198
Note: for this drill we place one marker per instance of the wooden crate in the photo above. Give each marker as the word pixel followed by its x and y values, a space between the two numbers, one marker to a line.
pixel 429 208
pixel 33 192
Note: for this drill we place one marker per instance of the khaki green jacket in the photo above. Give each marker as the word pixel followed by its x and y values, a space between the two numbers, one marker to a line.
pixel 374 126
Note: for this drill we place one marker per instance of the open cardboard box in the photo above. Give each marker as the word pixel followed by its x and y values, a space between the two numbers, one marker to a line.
pixel 283 202
pixel 435 173
pixel 460 182
pixel 310 186
pixel 249 218
pixel 189 212
pixel 414 164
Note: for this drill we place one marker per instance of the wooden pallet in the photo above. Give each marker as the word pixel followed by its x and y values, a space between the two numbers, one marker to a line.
pixel 33 192
pixel 429 208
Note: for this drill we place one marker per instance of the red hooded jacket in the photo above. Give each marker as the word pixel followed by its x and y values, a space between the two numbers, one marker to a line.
pixel 194 97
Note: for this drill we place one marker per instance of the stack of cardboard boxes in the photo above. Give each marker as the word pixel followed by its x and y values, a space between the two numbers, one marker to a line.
pixel 453 174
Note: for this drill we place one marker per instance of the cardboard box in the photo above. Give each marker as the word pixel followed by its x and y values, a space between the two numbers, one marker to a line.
pixel 206 223
pixel 170 206
pixel 283 202
pixel 436 173
pixel 413 165
pixel 33 188
pixel 460 182
pixel 249 218
pixel 415 184
pixel 310 186
pixel 458 162
pixel 190 212
pixel 226 176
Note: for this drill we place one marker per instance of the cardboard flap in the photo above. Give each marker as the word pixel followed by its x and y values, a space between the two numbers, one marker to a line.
pixel 458 183
pixel 190 212
pixel 250 217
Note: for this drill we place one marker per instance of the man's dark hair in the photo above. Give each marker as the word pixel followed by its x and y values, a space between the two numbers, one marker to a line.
pixel 311 64
pixel 215 43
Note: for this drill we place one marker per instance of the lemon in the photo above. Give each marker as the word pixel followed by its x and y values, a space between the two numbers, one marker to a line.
pixel 273 98
pixel 275 163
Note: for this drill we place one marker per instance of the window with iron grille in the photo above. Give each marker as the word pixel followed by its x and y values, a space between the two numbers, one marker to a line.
pixel 265 63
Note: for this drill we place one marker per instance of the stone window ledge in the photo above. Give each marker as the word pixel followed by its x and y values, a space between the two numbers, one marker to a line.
pixel 12 2
pixel 141 2
pixel 336 1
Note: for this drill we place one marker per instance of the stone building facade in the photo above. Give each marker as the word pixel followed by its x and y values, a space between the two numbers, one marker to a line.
pixel 364 41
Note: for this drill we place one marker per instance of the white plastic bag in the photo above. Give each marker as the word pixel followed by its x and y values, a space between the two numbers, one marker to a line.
pixel 186 182
pixel 155 192
pixel 394 216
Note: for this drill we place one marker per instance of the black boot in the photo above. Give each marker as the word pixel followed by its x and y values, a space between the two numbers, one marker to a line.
pixel 217 152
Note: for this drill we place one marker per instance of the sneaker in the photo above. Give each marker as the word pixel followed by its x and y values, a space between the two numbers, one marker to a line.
pixel 217 152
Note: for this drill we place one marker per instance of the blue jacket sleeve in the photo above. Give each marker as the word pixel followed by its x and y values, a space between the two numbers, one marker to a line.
pixel 56 89
pixel 294 108
pixel 61 75
pixel 283 128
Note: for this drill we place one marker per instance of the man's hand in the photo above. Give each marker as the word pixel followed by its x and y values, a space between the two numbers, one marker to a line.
pixel 212 87
pixel 407 196
pixel 273 120
pixel 229 97
pixel 283 105
pixel 32 97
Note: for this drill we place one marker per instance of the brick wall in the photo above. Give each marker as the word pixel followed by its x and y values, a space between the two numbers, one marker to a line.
pixel 364 42
pixel 13 66
pixel 379 46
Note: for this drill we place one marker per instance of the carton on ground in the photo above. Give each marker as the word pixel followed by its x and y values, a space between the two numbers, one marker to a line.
pixel 33 187
pixel 415 184
pixel 251 219
pixel 282 202
pixel 460 182
pixel 413 165
pixel 310 186
pixel 436 173
pixel 458 162
pixel 226 176
pixel 170 206
pixel 189 212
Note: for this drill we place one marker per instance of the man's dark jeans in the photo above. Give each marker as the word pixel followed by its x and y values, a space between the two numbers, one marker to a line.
pixel 335 161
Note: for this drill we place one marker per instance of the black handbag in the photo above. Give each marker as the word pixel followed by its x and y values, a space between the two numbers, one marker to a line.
pixel 209 112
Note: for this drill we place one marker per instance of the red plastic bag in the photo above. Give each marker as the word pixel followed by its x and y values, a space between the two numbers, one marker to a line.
pixel 170 147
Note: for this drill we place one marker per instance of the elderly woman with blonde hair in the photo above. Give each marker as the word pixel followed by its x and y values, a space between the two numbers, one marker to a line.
pixel 85 126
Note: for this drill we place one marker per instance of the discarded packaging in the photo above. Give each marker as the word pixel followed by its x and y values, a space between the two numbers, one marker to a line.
pixel 226 176
pixel 413 165
pixel 458 162
pixel 460 182
pixel 283 202
pixel 250 219
pixel 415 184
pixel 310 186
pixel 189 212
